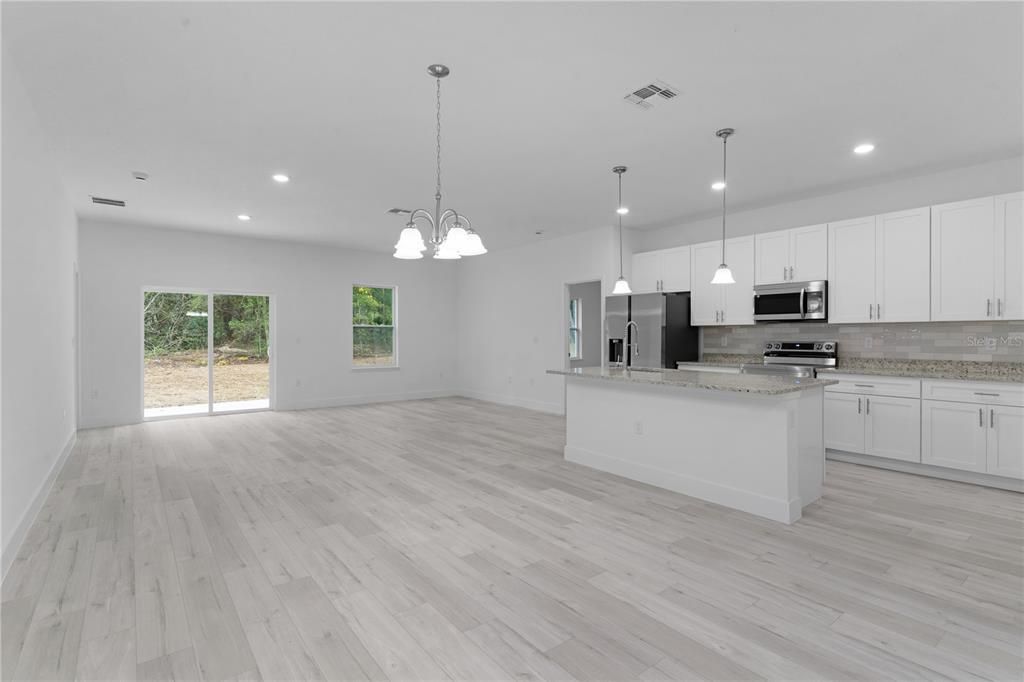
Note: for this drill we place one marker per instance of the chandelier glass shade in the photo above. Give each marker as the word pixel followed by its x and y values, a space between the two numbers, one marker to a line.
pixel 451 234
pixel 621 284
pixel 723 275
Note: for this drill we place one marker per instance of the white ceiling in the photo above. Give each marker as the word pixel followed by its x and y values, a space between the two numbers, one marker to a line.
pixel 211 98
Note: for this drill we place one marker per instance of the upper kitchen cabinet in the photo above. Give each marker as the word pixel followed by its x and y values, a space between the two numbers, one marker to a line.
pixel 878 268
pixel 963 253
pixel 722 304
pixel 796 255
pixel 1009 256
pixel 665 270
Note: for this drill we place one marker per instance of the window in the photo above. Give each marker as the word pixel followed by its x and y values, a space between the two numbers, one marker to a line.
pixel 373 327
pixel 574 329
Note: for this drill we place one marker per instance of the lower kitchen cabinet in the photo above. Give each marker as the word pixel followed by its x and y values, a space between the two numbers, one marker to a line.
pixel 892 427
pixel 954 435
pixel 881 426
pixel 1005 441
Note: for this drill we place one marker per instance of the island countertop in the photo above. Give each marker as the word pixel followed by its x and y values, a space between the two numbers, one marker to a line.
pixel 686 378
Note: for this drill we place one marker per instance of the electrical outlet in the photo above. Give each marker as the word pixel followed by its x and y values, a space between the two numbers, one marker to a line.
pixel 638 427
pixel 725 341
pixel 298 382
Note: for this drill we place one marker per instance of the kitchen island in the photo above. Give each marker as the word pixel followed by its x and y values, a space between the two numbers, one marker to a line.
pixel 749 442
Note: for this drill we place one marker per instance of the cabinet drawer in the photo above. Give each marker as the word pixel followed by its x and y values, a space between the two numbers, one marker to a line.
pixel 863 384
pixel 973 392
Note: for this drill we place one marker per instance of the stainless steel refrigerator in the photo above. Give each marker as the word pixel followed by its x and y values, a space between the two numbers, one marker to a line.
pixel 663 333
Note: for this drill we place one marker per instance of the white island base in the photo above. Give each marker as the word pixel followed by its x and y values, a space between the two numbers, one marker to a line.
pixel 761 453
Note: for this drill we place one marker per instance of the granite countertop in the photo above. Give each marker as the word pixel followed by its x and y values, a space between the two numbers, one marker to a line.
pixel 687 378
pixel 961 370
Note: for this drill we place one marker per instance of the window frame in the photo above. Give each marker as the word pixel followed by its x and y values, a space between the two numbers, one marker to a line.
pixel 577 303
pixel 393 326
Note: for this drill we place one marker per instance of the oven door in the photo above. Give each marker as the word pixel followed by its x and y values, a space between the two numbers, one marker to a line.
pixel 795 301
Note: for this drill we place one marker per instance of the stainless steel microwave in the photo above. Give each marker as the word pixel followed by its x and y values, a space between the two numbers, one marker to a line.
pixel 791 301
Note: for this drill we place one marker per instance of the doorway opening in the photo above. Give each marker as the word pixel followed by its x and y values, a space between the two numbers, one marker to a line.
pixel 205 353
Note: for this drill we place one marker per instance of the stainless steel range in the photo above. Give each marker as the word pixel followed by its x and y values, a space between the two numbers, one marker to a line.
pixel 796 359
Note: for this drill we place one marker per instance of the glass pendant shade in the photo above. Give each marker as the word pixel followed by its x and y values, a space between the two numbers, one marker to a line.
pixel 472 245
pixel 723 275
pixel 447 251
pixel 457 237
pixel 410 244
pixel 621 286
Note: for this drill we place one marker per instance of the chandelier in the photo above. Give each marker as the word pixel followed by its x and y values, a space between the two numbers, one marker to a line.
pixel 451 234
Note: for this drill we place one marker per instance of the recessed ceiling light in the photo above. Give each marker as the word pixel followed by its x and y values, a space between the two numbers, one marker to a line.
pixel 622 210
pixel 718 185
pixel 280 177
pixel 864 148
pixel 244 218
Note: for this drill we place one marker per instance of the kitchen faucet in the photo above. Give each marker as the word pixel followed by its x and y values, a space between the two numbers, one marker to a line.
pixel 634 344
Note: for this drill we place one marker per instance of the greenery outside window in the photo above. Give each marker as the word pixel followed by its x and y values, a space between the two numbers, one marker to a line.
pixel 575 349
pixel 373 327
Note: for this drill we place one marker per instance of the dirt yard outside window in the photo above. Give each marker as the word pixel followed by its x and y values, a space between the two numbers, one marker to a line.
pixel 177 379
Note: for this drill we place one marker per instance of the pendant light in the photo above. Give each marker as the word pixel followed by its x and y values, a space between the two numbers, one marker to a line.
pixel 723 275
pixel 621 285
pixel 451 233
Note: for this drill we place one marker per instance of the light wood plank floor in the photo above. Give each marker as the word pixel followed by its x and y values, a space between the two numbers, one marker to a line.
pixel 447 538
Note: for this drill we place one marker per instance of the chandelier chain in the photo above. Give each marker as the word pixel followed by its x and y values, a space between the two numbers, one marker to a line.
pixel 438 136
pixel 725 188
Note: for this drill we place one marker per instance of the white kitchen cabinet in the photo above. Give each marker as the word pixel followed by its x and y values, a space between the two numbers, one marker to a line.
pixel 1008 267
pixel 879 268
pixel 771 257
pixel 844 422
pixel 963 253
pixel 705 298
pixel 1005 441
pixel 954 435
pixel 646 272
pixel 665 270
pixel 892 427
pixel 738 298
pixel 796 255
pixel 902 266
pixel 851 268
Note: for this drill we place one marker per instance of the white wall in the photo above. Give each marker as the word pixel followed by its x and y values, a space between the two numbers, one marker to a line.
pixel 995 177
pixel 512 315
pixel 591 323
pixel 311 314
pixel 38 315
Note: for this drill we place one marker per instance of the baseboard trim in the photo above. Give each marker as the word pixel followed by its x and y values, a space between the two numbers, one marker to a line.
pixel 347 401
pixel 784 511
pixel 973 477
pixel 13 546
pixel 535 405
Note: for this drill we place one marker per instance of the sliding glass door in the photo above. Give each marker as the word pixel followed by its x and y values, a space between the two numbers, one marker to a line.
pixel 205 353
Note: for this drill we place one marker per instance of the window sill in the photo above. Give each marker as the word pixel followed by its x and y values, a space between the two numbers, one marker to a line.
pixel 373 368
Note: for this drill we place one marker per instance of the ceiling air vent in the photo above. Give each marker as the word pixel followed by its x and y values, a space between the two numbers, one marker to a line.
pixel 107 202
pixel 646 96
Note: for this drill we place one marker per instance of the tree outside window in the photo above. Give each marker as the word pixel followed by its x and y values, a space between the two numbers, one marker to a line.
pixel 575 349
pixel 373 327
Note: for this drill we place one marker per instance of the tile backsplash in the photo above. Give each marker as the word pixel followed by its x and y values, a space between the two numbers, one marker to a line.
pixel 975 341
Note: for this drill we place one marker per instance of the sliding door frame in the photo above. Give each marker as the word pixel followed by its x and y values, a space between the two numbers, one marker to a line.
pixel 209 293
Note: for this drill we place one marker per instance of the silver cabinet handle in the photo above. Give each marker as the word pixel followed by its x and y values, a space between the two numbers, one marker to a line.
pixel 784 275
pixel 981 417
pixel 988 307
pixel 988 395
pixel 868 405
pixel 871 311
pixel 992 419
pixel 790 273
pixel 999 307
pixel 864 385
pixel 878 311
pixel 858 405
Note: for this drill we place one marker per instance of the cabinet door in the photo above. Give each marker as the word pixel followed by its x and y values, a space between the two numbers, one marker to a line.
pixel 1009 256
pixel 738 298
pixel 902 266
pixel 675 269
pixel 953 435
pixel 705 297
pixel 1005 441
pixel 771 254
pixel 844 422
pixel 646 272
pixel 892 427
pixel 808 249
pixel 851 270
pixel 963 250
